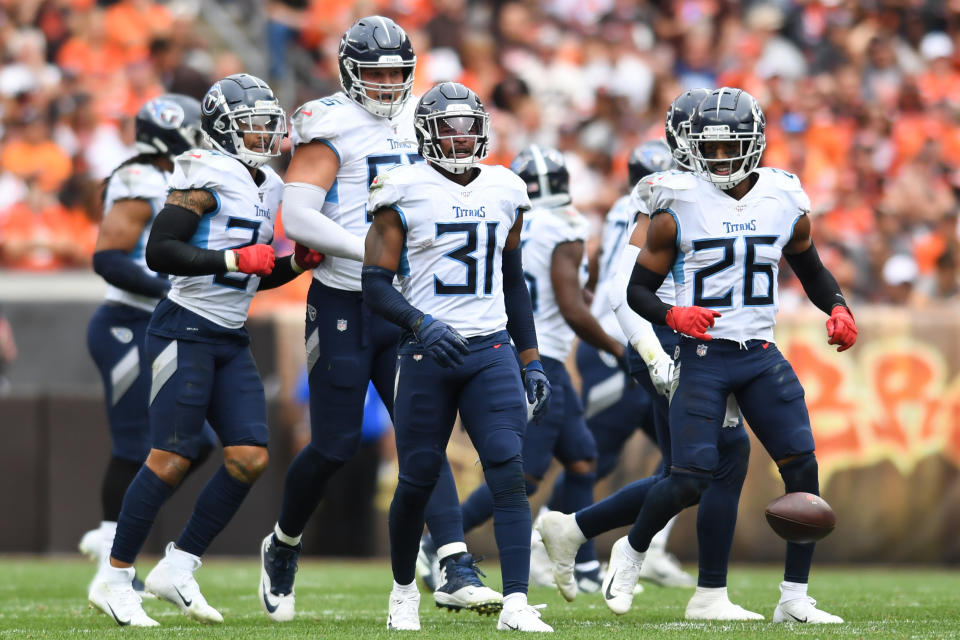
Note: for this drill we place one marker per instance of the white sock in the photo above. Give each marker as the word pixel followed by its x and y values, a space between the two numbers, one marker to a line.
pixel 291 541
pixel 579 532
pixel 543 509
pixel 405 588
pixel 711 593
pixel 122 575
pixel 659 541
pixel 451 548
pixel 792 591
pixel 587 566
pixel 182 560
pixel 514 601
pixel 108 530
pixel 635 556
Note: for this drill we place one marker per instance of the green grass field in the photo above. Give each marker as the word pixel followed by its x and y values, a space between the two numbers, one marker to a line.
pixel 46 598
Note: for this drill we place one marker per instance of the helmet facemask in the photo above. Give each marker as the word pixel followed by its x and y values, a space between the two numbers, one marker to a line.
pixel 466 130
pixel 725 173
pixel 266 122
pixel 390 96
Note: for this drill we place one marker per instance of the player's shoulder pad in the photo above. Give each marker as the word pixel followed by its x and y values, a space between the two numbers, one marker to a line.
pixel 672 179
pixel 202 169
pixel 572 224
pixel 137 181
pixel 511 183
pixel 789 187
pixel 321 119
pixel 388 186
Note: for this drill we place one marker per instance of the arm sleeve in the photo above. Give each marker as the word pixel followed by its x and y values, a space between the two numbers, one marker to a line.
pixel 380 295
pixel 283 272
pixel 303 222
pixel 642 294
pixel 116 267
pixel 818 283
pixel 169 250
pixel 638 330
pixel 516 299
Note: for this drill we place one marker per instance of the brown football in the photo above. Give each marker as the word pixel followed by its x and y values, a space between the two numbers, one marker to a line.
pixel 801 517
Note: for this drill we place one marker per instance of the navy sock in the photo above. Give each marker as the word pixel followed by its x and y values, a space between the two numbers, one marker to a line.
pixel 116 480
pixel 557 499
pixel 511 523
pixel 442 514
pixel 144 497
pixel 303 489
pixel 666 498
pixel 619 509
pixel 406 525
pixel 215 506
pixel 578 491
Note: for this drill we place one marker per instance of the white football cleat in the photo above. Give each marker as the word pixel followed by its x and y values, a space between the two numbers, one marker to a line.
pixel 404 612
pixel 622 576
pixel 278 567
pixel 803 610
pixel 172 580
pixel 526 618
pixel 714 604
pixel 562 539
pixel 91 544
pixel 662 568
pixel 541 571
pixel 428 563
pixel 112 592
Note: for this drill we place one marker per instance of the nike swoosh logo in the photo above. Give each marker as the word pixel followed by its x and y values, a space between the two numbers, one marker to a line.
pixel 306 113
pixel 511 627
pixel 606 594
pixel 122 623
pixel 186 602
pixel 271 608
pixel 795 617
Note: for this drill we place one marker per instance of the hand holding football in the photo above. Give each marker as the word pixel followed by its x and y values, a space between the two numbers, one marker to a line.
pixel 801 517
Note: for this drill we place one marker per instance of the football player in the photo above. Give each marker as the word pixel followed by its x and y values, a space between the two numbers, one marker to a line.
pixel 451 230
pixel 718 509
pixel 722 231
pixel 553 238
pixel 341 143
pixel 212 236
pixel 164 127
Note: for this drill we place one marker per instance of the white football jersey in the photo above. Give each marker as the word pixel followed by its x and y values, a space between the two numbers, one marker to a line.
pixel 136 182
pixel 728 251
pixel 615 235
pixel 452 262
pixel 366 145
pixel 543 230
pixel 640 203
pixel 244 215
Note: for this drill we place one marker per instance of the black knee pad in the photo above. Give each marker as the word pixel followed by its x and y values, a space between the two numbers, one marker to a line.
pixel 421 468
pixel 801 474
pixel 500 446
pixel 686 486
pixel 507 483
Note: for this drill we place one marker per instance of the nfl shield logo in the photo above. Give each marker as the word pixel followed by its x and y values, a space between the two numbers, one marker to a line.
pixel 701 350
pixel 417 357
pixel 122 334
pixel 676 352
pixel 311 312
pixel 341 325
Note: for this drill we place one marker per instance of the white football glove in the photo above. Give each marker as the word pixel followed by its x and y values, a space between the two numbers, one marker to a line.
pixel 661 373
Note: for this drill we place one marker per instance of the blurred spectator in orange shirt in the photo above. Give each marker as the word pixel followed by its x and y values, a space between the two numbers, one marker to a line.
pixel 133 23
pixel 941 81
pixel 34 156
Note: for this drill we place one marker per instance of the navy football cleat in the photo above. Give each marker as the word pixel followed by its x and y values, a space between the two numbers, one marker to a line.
pixel 278 567
pixel 461 588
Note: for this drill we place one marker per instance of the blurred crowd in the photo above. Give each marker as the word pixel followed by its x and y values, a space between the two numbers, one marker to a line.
pixel 862 101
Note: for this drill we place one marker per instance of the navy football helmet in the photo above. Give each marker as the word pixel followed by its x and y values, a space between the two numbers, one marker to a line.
pixel 649 157
pixel 450 111
pixel 376 42
pixel 168 125
pixel 241 105
pixel 678 124
pixel 727 115
pixel 545 172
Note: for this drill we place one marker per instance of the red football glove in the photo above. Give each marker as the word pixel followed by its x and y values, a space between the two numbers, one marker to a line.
pixel 257 259
pixel 841 328
pixel 306 258
pixel 692 321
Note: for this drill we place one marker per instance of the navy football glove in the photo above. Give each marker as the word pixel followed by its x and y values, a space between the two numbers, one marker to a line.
pixel 442 341
pixel 538 388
